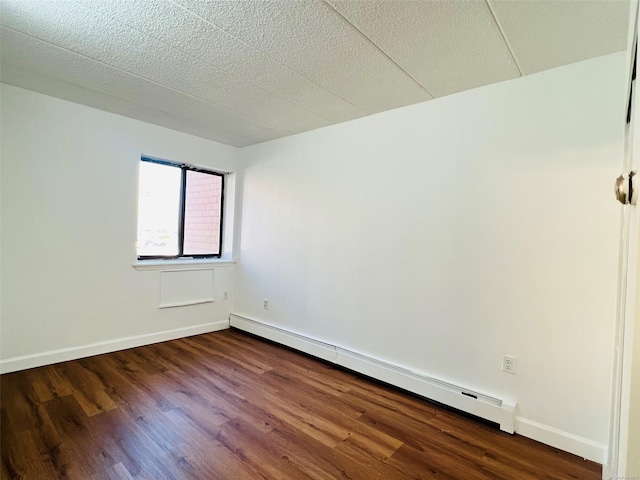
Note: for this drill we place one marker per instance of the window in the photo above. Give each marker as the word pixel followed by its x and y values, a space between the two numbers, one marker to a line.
pixel 179 211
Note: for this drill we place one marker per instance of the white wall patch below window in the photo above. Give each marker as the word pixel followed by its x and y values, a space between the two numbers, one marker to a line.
pixel 186 287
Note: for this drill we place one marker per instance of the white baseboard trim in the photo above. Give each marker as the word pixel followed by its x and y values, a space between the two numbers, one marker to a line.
pixel 479 404
pixel 580 446
pixel 62 355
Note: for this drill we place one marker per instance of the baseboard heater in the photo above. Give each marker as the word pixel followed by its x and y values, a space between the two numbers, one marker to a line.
pixel 485 406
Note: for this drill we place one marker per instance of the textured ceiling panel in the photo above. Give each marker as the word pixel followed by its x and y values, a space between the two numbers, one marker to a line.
pixel 67 91
pixel 314 40
pixel 114 44
pixel 446 46
pixel 193 35
pixel 33 55
pixel 246 71
pixel 547 34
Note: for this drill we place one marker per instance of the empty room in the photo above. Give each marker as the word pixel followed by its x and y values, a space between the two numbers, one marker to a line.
pixel 319 239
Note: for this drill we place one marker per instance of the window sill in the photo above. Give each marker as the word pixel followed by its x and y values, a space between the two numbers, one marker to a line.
pixel 176 265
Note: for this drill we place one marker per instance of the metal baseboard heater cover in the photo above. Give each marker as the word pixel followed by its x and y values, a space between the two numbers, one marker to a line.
pixel 485 406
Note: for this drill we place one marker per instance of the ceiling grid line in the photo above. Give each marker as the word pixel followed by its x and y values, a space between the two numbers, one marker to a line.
pixel 266 54
pixel 504 37
pixel 331 7
pixel 258 121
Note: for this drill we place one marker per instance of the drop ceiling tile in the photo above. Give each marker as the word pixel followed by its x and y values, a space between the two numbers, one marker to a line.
pixel 552 33
pixel 41 58
pixel 446 46
pixel 190 33
pixel 12 75
pixel 311 38
pixel 118 45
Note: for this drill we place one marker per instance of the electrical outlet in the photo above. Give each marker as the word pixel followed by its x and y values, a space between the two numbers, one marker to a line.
pixel 509 364
pixel 225 295
pixel 265 304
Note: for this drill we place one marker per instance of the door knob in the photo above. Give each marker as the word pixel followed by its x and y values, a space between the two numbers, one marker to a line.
pixel 622 189
pixel 625 189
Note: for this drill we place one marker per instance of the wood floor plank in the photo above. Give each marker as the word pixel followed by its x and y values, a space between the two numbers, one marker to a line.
pixel 88 389
pixel 374 441
pixel 243 359
pixel 435 464
pixel 20 406
pixel 115 472
pixel 72 439
pixel 228 405
pixel 315 459
pixel 349 457
pixel 247 443
pixel 36 462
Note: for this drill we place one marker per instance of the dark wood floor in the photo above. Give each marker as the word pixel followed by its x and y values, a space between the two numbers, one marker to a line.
pixel 229 406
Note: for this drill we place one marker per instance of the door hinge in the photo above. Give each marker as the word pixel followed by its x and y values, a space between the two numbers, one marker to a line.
pixel 625 188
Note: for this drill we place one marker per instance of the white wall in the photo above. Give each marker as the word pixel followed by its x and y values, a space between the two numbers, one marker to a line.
pixel 69 214
pixel 442 235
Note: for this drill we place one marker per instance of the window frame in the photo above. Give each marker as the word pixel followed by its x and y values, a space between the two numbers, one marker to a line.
pixel 184 168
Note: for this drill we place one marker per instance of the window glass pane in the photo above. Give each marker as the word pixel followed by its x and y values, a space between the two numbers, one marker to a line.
pixel 202 214
pixel 158 209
